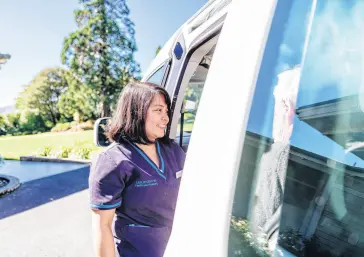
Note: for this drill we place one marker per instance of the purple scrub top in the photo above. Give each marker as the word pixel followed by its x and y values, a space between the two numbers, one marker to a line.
pixel 144 195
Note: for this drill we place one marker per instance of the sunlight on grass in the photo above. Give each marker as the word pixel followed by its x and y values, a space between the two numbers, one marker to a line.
pixel 14 147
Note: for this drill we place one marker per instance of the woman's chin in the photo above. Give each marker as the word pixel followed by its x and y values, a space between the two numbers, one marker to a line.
pixel 155 137
pixel 161 135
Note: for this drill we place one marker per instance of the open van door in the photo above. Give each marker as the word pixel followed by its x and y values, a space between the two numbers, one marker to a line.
pixel 275 163
pixel 201 224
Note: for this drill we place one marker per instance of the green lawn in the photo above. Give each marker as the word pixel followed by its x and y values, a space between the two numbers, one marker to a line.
pixel 12 147
pixel 16 146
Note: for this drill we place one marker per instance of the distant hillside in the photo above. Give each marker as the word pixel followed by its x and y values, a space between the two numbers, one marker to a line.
pixel 7 109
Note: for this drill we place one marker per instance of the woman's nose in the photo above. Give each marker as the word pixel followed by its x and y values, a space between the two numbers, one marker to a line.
pixel 165 117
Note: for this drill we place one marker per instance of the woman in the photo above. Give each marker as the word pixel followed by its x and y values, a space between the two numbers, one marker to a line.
pixel 134 183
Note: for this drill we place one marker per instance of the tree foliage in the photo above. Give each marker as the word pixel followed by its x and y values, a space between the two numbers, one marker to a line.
pixel 3 125
pixel 43 93
pixel 100 53
pixel 79 102
pixel 159 48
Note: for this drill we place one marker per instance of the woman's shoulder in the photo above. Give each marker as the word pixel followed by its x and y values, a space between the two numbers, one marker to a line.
pixel 171 145
pixel 116 153
pixel 113 159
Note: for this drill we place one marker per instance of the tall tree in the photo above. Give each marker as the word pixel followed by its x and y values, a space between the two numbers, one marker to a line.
pixel 43 93
pixel 101 52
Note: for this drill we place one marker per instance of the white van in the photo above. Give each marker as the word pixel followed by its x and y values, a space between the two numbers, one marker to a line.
pixel 247 78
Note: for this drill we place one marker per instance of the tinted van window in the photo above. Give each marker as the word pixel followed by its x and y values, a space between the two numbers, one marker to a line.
pixel 300 188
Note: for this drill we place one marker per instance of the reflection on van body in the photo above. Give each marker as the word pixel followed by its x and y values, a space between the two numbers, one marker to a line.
pixel 341 120
pixel 323 201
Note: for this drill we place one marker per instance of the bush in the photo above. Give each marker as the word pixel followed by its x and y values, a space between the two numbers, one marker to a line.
pixel 14 119
pixel 31 121
pixel 13 124
pixel 82 153
pixel 22 123
pixel 79 150
pixel 64 152
pixel 3 125
pixel 2 132
pixel 76 129
pixel 45 151
pixel 61 127
pixel 73 126
pixel 88 125
pixel 48 124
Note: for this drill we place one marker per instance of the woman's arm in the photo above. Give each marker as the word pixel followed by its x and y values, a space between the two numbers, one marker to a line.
pixel 102 234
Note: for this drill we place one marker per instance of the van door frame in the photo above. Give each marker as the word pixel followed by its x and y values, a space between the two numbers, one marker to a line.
pixel 178 90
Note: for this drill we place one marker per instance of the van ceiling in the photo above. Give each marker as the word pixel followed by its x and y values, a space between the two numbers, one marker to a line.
pixel 201 72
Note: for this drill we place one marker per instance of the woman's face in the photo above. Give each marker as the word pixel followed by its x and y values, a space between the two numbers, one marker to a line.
pixel 157 118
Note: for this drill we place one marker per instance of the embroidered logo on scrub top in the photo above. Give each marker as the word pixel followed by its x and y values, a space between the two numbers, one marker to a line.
pixel 146 183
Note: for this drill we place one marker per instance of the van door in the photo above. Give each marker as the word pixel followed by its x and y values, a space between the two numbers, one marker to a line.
pixel 267 187
pixel 201 224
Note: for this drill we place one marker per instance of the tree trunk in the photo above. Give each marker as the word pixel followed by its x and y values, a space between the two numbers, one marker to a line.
pixel 105 109
pixel 53 118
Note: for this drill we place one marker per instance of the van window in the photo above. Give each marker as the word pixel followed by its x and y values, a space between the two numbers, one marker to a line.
pixel 190 105
pixel 191 98
pixel 157 77
pixel 300 186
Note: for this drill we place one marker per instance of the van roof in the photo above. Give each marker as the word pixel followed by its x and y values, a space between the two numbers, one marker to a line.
pixel 211 8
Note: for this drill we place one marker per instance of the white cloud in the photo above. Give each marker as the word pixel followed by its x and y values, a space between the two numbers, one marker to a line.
pixel 336 49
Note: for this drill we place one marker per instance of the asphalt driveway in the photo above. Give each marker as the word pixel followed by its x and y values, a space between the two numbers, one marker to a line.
pixel 49 216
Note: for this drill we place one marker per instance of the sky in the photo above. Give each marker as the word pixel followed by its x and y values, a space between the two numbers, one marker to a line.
pixel 32 31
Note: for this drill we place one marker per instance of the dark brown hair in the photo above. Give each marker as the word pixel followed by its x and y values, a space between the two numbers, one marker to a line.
pixel 129 117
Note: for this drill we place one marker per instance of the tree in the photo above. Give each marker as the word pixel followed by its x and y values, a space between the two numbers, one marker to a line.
pixel 3 125
pixel 101 52
pixel 78 102
pixel 43 94
pixel 31 122
pixel 159 48
pixel 13 123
